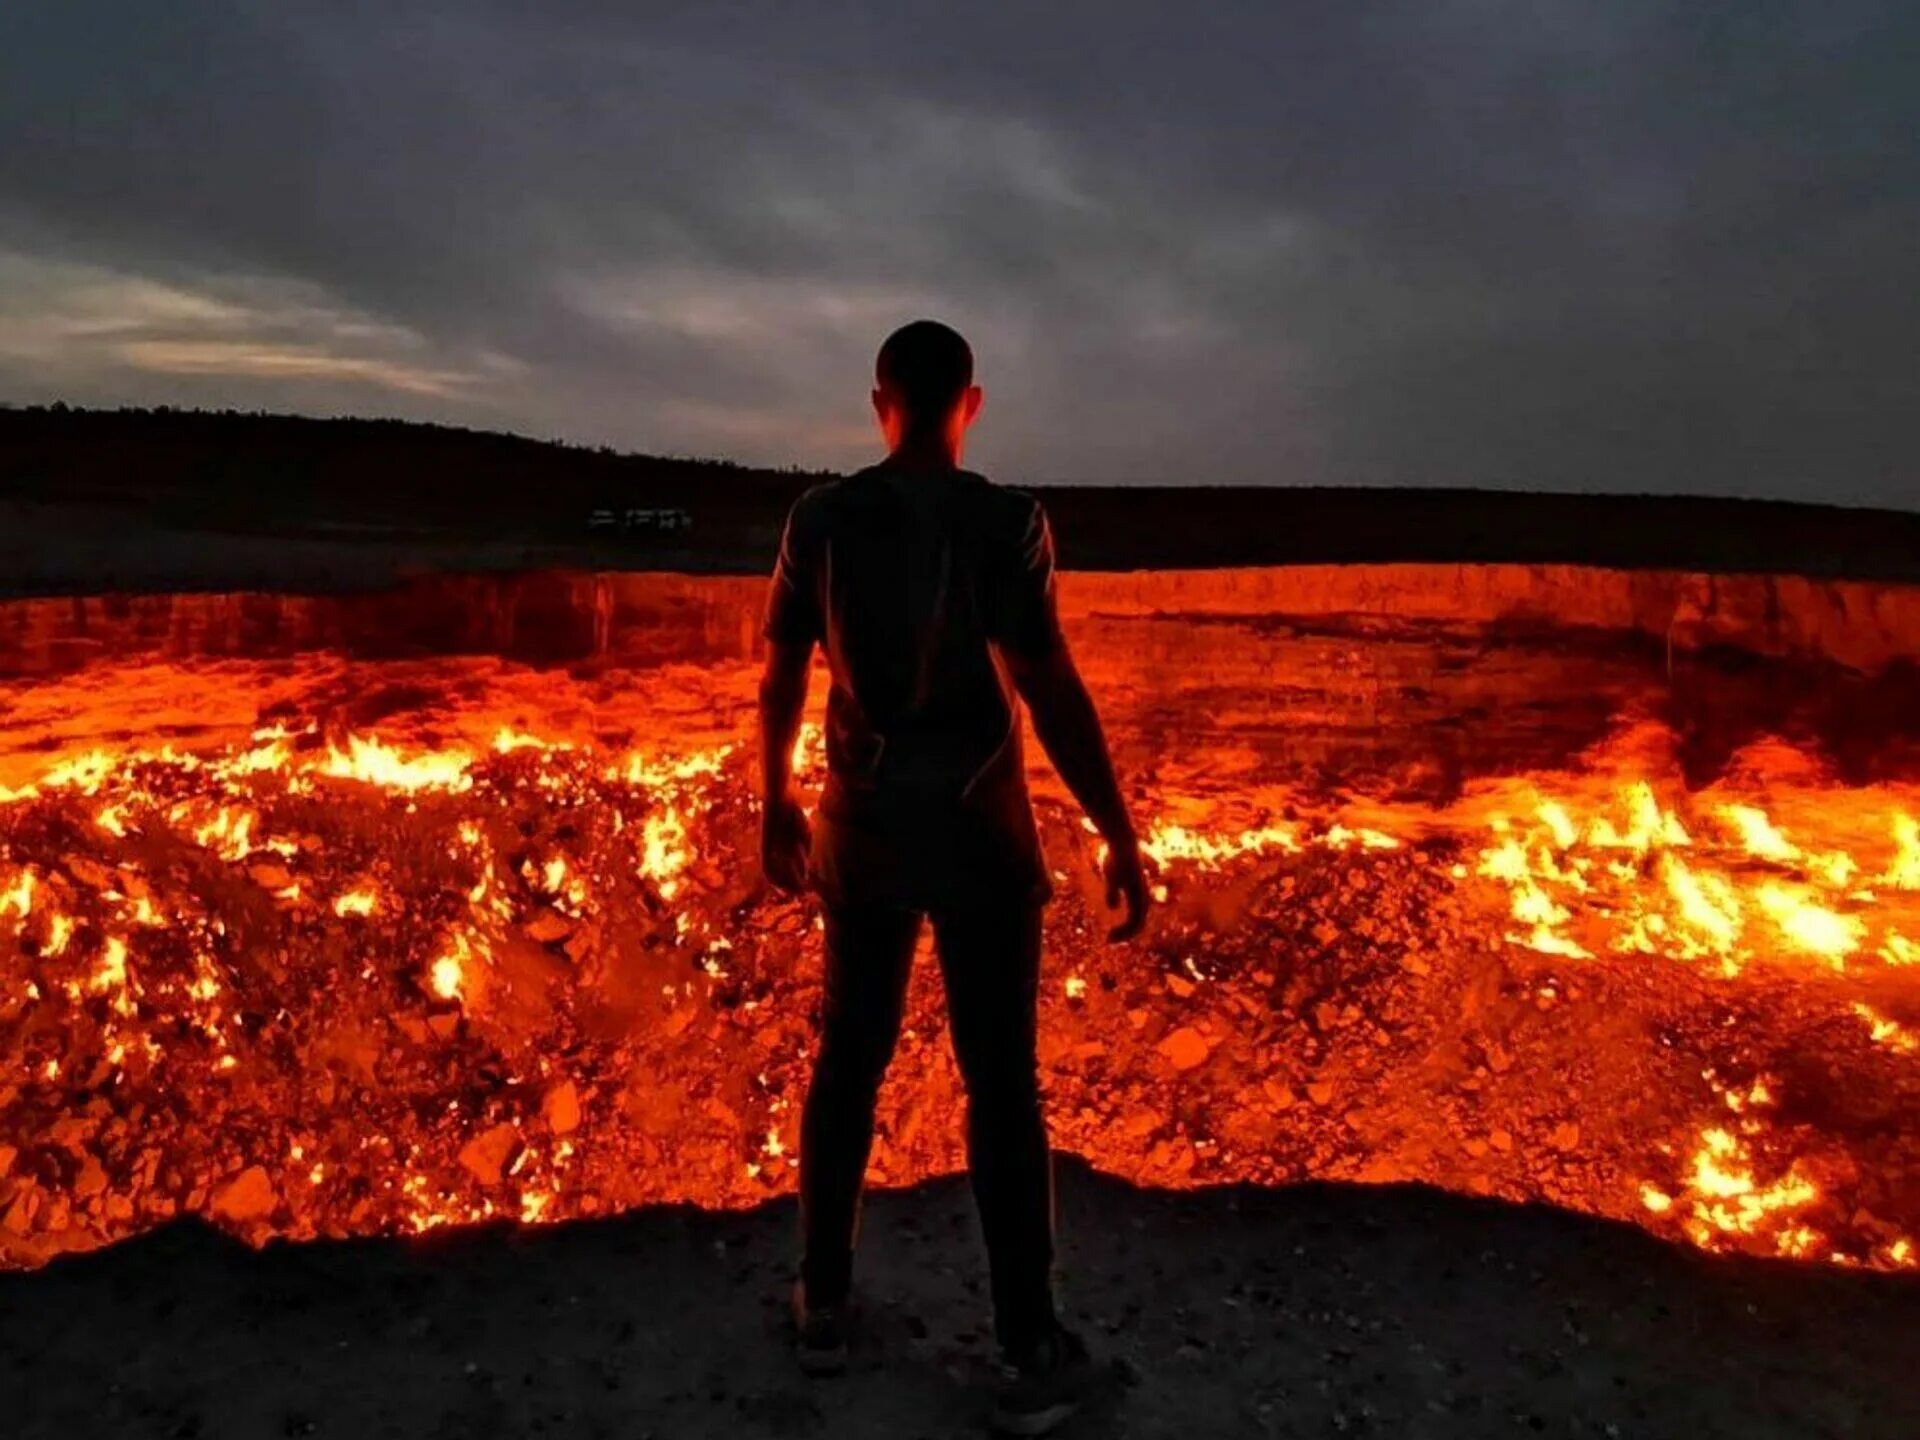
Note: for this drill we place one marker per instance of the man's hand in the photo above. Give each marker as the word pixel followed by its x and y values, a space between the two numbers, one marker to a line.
pixel 785 836
pixel 1126 885
pixel 785 840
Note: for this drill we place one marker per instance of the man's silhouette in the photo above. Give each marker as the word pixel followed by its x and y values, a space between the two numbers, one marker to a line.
pixel 932 593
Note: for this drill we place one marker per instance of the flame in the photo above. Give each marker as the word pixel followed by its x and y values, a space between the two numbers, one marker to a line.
pixel 356 902
pixel 450 975
pixel 663 851
pixel 529 884
pixel 1809 926
pixel 369 761
pixel 1728 1200
pixel 1570 877
pixel 18 896
pixel 1886 1031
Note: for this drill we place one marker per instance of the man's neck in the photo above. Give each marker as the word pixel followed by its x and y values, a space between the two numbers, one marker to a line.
pixel 925 454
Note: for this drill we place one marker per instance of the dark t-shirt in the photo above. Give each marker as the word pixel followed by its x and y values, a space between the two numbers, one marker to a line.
pixel 914 584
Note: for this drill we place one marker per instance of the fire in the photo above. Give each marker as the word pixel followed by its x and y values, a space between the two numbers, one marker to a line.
pixel 462 963
pixel 1886 1031
pixel 1574 896
pixel 1903 871
pixel 356 902
pixel 1732 1202
pixel 367 760
pixel 449 976
pixel 1168 844
pixel 18 896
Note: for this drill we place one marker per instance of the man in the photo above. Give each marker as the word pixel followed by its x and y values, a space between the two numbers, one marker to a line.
pixel 931 591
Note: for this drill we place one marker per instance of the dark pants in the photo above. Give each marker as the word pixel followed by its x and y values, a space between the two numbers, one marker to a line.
pixel 990 961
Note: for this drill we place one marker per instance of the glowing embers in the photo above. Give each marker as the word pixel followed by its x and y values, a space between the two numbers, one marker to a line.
pixel 358 984
pixel 1613 868
pixel 1742 1186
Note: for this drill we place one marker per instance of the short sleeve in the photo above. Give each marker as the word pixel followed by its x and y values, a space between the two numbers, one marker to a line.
pixel 793 600
pixel 1028 620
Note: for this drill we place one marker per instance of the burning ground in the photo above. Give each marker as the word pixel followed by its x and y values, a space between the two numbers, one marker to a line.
pixel 315 944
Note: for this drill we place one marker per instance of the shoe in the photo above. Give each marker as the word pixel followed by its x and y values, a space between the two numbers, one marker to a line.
pixel 1043 1390
pixel 820 1334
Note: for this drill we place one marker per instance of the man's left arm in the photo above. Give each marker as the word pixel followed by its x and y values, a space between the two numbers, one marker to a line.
pixel 793 627
pixel 785 836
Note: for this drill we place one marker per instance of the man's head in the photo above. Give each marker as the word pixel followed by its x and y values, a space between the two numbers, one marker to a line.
pixel 924 391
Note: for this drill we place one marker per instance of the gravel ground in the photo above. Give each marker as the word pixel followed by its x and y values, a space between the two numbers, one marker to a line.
pixel 1308 1311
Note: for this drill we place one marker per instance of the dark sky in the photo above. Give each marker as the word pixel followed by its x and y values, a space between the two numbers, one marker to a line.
pixel 1606 246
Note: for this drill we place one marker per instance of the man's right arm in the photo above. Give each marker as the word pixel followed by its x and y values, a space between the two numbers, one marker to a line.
pixel 1064 717
pixel 1068 725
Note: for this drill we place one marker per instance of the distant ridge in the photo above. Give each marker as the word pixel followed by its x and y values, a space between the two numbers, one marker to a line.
pixel 98 485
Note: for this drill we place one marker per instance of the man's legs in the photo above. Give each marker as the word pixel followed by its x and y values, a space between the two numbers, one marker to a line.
pixel 990 958
pixel 869 955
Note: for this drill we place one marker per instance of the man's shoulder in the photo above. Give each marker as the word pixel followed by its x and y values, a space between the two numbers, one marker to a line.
pixel 812 512
pixel 976 494
pixel 1006 504
pixel 827 495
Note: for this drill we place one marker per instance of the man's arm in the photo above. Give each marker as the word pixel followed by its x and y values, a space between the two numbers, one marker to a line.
pixel 1068 725
pixel 783 698
pixel 1026 629
pixel 784 833
pixel 792 629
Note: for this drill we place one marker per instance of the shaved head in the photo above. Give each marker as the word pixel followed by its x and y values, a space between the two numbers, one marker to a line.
pixel 925 367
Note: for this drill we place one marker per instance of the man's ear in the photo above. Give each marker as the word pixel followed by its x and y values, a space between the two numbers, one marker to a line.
pixel 970 403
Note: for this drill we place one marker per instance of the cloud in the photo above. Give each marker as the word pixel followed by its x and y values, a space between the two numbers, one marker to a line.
pixel 71 327
pixel 1638 246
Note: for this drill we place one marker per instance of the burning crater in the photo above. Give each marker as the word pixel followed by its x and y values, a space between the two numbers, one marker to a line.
pixel 378 913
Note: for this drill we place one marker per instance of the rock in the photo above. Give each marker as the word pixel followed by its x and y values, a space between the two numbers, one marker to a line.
pixel 90 872
pixel 413 1027
pixel 1185 1048
pixel 547 926
pixel 91 1180
pixel 562 1108
pixel 1565 1136
pixel 1180 986
pixel 20 1214
pixel 71 1132
pixel 1320 1092
pixel 485 1156
pixel 247 1196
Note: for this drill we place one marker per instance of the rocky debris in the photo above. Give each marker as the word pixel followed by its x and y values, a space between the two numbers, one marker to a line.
pixel 548 926
pixel 562 1108
pixel 1185 1048
pixel 486 1155
pixel 247 1196
pixel 642 1061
